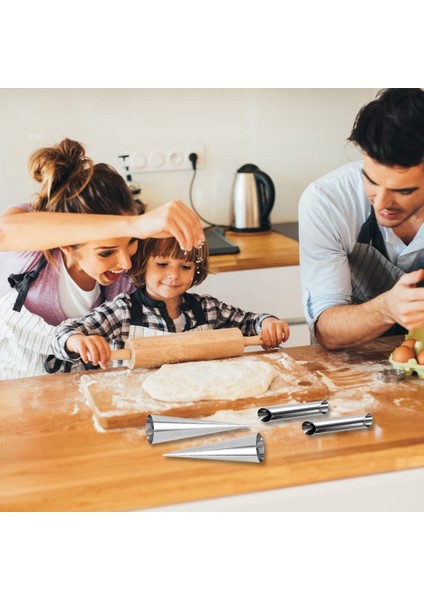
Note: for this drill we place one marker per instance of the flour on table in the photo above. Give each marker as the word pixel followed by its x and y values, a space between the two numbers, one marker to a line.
pixel 248 417
pixel 349 404
pixel 210 380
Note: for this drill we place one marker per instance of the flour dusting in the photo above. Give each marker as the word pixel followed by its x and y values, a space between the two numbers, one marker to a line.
pixel 123 391
pixel 350 406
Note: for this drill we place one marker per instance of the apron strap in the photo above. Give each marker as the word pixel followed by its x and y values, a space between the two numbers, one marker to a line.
pixel 22 281
pixel 53 365
pixel 197 309
pixel 370 234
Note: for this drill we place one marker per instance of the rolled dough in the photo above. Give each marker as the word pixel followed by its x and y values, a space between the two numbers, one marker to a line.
pixel 211 380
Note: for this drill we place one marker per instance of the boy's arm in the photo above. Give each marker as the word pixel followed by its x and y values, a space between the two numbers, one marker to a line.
pixel 111 321
pixel 221 315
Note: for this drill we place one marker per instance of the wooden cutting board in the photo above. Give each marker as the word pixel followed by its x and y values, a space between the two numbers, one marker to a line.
pixel 118 400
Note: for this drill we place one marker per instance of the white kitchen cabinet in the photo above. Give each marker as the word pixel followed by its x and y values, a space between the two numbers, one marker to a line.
pixel 276 290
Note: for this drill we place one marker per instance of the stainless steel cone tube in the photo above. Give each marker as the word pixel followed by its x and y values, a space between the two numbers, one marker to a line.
pixel 291 411
pixel 343 424
pixel 250 448
pixel 166 429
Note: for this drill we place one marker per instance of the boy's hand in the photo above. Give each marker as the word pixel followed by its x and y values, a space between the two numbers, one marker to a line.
pixel 91 348
pixel 274 332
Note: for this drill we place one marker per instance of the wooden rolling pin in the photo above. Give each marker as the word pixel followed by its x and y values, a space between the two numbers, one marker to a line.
pixel 150 352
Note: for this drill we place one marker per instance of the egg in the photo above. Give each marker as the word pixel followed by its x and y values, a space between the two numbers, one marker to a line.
pixel 410 343
pixel 420 358
pixel 403 354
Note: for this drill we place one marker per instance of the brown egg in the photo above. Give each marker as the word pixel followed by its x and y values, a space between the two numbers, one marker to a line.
pixel 410 343
pixel 420 358
pixel 403 354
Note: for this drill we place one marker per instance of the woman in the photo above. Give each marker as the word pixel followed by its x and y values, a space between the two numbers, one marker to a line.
pixel 49 259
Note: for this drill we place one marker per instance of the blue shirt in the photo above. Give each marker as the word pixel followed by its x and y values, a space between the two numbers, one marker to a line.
pixel 332 210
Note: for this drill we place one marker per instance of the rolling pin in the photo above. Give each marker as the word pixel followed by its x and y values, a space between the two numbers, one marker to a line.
pixel 150 352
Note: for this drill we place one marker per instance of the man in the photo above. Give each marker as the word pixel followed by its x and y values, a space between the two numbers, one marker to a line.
pixel 361 234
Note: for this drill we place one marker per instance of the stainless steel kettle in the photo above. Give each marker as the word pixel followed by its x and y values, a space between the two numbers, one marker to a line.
pixel 252 200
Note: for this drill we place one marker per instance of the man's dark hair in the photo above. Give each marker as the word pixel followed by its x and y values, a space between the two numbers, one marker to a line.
pixel 390 129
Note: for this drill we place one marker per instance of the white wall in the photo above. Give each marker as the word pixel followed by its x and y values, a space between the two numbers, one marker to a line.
pixel 294 135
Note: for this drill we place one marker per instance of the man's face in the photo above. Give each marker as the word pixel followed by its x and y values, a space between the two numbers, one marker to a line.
pixel 396 193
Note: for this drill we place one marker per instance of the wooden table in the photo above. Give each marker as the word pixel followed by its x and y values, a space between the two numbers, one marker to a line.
pixel 54 459
pixel 257 251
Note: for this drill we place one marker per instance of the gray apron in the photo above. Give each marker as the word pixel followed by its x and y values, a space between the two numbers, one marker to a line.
pixel 372 272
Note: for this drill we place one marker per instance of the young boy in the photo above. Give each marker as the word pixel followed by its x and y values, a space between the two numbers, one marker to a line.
pixel 163 273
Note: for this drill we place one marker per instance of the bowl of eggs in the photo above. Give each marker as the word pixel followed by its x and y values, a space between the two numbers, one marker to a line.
pixel 409 356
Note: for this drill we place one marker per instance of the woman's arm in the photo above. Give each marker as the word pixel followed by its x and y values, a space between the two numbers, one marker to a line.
pixel 21 230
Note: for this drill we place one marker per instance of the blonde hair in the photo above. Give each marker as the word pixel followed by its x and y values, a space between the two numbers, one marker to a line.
pixel 70 182
pixel 168 247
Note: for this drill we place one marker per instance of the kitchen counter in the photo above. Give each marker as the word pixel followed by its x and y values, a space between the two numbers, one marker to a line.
pixel 257 251
pixel 54 459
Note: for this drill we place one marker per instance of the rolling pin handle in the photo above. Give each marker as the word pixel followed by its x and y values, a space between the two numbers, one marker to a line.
pixel 254 340
pixel 123 354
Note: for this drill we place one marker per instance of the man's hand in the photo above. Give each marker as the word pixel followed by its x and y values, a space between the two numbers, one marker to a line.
pixel 405 301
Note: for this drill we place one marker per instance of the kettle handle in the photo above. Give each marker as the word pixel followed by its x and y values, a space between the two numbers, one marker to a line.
pixel 269 193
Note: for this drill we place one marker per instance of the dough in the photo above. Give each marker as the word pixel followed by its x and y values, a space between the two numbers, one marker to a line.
pixel 210 379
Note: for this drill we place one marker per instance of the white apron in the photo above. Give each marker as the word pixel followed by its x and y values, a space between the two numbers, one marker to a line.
pixel 24 341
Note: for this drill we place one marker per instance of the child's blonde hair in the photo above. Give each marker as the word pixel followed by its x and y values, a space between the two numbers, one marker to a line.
pixel 168 247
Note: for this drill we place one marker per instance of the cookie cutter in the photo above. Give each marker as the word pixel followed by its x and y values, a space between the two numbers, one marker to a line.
pixel 343 424
pixel 250 448
pixel 291 411
pixel 165 429
pixel 391 375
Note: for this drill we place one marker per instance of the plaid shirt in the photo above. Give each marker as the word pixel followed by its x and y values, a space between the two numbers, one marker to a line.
pixel 112 320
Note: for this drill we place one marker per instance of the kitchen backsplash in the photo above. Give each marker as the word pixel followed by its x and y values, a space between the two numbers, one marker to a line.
pixel 295 135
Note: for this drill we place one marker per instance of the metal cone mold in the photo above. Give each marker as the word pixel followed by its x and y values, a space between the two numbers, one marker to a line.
pixel 250 448
pixel 166 429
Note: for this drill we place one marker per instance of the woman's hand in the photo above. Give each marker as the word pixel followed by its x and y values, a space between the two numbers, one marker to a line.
pixel 93 349
pixel 173 219
pixel 274 332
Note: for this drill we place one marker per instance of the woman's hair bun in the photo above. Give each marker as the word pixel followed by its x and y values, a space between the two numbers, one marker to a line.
pixel 63 169
pixel 70 182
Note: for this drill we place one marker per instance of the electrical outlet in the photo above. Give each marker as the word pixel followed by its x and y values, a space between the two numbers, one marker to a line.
pixel 174 159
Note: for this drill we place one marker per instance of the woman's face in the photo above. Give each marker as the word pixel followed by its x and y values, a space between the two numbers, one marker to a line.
pixel 102 260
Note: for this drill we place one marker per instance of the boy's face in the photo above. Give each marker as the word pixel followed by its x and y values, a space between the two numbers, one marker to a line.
pixel 168 278
pixel 397 193
pixel 102 260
